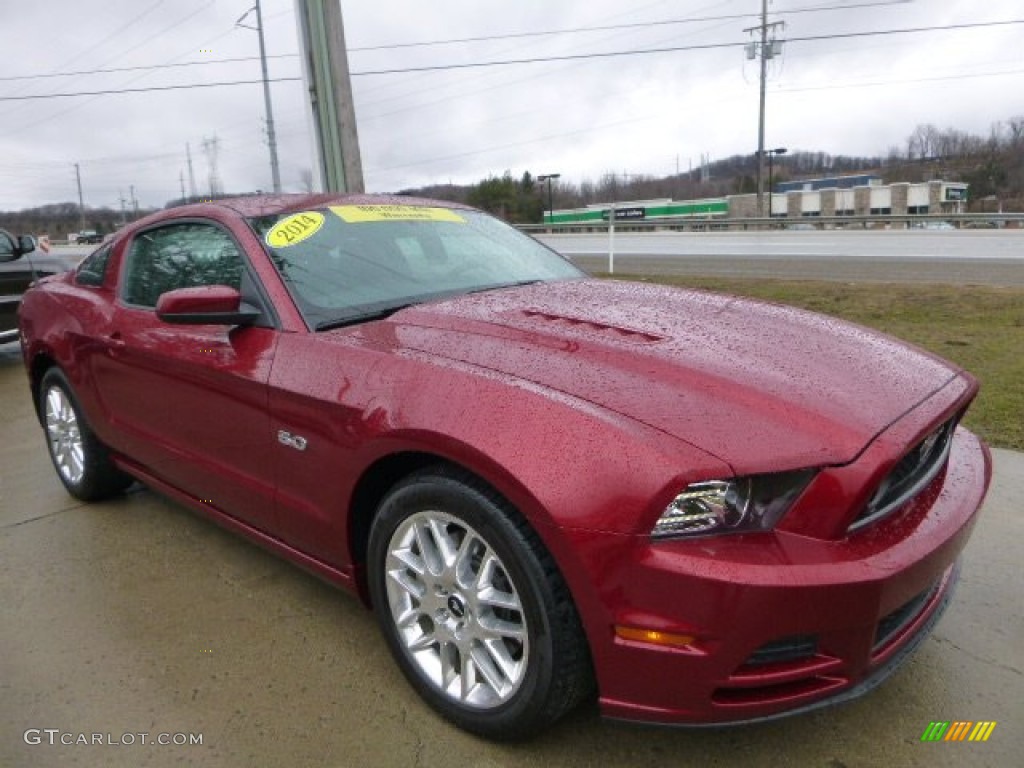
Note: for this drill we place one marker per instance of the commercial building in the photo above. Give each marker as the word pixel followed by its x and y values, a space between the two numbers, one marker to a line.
pixel 861 195
pixel 644 210
pixel 839 197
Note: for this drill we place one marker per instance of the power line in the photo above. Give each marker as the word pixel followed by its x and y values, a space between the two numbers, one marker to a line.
pixel 536 59
pixel 532 60
pixel 103 41
pixel 23 127
pixel 161 33
pixel 146 67
pixel 180 87
pixel 902 81
pixel 635 25
pixel 453 41
pixel 676 49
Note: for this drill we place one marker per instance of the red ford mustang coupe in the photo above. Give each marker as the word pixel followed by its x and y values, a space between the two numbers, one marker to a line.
pixel 700 509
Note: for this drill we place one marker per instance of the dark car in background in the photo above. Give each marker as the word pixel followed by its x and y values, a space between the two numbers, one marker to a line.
pixel 23 261
pixel 89 237
pixel 16 274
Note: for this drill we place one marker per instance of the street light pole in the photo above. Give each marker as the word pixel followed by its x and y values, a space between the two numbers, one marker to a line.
pixel 771 187
pixel 549 177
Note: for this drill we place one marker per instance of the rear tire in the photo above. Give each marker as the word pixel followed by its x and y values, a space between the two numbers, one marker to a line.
pixel 82 462
pixel 473 607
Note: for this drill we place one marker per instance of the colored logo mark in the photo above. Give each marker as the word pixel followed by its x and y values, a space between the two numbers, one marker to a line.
pixel 959 730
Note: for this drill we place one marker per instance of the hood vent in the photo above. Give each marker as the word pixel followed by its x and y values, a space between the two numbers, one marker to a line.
pixel 624 334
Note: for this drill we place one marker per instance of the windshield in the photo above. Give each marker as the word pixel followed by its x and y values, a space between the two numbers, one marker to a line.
pixel 347 263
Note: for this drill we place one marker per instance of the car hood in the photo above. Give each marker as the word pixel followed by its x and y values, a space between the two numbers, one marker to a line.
pixel 761 386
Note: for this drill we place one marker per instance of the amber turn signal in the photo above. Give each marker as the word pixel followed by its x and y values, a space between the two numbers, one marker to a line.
pixel 653 636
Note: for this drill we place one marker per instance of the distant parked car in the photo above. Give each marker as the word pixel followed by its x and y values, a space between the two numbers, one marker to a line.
pixel 22 260
pixel 15 276
pixel 697 508
pixel 89 237
pixel 932 225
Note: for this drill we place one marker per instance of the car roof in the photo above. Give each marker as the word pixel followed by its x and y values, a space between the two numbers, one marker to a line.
pixel 271 205
pixel 250 206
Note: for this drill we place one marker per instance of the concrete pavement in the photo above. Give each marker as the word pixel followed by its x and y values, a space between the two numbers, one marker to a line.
pixel 137 616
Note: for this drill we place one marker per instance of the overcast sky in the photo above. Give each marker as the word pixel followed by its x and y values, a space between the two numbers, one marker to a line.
pixel 639 114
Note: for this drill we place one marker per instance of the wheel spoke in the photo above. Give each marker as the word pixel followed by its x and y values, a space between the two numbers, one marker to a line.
pixel 451 664
pixel 493 597
pixel 487 569
pixel 499 654
pixel 491 672
pixel 53 404
pixel 411 560
pixel 468 681
pixel 428 549
pixel 406 618
pixel 77 459
pixel 412 587
pixel 496 627
pixel 465 560
pixel 424 642
pixel 446 548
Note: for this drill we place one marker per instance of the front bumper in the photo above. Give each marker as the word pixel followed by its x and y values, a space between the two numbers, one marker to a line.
pixel 783 622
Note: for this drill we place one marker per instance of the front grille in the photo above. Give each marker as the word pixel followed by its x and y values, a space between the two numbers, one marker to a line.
pixel 894 623
pixel 910 476
pixel 794 648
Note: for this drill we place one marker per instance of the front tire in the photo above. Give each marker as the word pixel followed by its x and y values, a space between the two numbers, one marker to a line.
pixel 473 607
pixel 81 460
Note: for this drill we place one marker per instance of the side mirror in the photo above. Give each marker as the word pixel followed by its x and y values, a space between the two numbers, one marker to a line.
pixel 26 244
pixel 204 305
pixel 9 250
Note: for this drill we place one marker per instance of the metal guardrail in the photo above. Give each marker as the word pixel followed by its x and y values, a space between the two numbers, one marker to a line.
pixel 724 223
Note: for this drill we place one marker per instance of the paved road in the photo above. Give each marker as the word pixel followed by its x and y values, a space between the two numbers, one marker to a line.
pixel 136 615
pixel 980 257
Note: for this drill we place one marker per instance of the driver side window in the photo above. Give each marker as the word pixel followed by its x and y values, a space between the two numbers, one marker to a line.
pixel 180 256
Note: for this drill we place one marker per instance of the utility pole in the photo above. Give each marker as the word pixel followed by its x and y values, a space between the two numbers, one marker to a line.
pixel 135 203
pixel 211 147
pixel 760 117
pixel 81 204
pixel 124 215
pixel 326 74
pixel 191 174
pixel 181 179
pixel 764 50
pixel 275 170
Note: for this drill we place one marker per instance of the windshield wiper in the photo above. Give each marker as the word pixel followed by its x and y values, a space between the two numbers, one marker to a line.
pixel 360 317
pixel 499 286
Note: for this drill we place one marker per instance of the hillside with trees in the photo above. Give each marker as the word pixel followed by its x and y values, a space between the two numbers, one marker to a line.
pixel 992 165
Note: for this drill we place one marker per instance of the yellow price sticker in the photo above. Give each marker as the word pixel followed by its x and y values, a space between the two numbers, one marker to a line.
pixel 294 229
pixel 358 214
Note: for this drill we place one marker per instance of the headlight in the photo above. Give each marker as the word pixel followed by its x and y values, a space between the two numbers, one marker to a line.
pixel 754 503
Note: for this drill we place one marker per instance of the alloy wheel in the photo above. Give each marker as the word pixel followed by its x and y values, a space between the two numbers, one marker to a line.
pixel 456 610
pixel 64 436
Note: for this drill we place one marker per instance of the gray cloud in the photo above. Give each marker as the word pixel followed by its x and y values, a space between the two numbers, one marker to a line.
pixel 638 114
